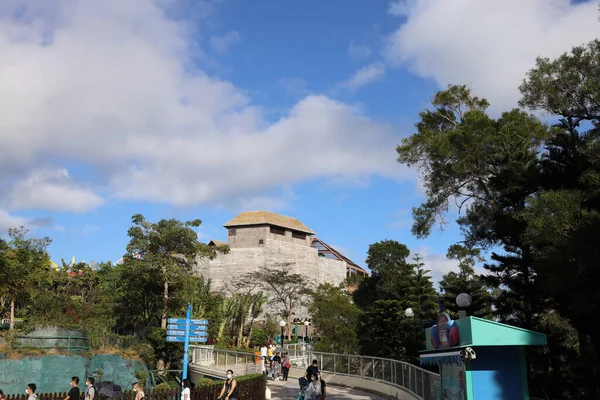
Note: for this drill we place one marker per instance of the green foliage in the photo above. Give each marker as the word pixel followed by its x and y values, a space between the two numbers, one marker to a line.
pixel 465 281
pixel 284 289
pixel 206 382
pixel 142 376
pixel 390 274
pixel 335 319
pixel 386 332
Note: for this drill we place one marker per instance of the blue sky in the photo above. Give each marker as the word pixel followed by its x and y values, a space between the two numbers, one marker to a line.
pixel 203 109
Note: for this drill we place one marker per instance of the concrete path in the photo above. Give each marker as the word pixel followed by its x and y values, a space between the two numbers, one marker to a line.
pixel 289 391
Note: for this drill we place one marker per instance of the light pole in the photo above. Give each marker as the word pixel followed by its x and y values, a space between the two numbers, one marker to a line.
pixel 409 312
pixel 463 301
pixel 282 324
pixel 306 331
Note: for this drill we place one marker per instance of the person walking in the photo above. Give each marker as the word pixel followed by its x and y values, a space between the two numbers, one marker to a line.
pixel 74 392
pixel 186 392
pixel 30 390
pixel 90 393
pixel 229 387
pixel 312 369
pixel 285 366
pixel 139 392
pixel 314 391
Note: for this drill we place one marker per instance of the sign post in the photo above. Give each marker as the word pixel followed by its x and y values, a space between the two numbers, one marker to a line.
pixel 185 331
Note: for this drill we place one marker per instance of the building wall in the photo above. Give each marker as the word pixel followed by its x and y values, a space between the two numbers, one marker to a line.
pixel 275 250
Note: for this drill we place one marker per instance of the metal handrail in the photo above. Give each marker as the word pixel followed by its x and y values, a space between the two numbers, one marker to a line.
pixel 423 384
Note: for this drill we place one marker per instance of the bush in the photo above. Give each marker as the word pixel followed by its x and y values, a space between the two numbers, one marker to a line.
pixel 206 382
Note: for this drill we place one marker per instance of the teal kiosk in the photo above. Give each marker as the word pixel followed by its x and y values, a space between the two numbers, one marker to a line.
pixel 479 359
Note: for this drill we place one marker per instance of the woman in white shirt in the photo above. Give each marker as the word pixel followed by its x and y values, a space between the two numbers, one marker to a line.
pixel 314 390
pixel 139 392
pixel 185 393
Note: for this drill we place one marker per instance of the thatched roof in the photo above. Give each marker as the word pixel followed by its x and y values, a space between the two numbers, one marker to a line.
pixel 250 218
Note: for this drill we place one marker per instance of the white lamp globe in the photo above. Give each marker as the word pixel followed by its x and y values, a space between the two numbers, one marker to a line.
pixel 282 323
pixel 305 323
pixel 409 312
pixel 464 300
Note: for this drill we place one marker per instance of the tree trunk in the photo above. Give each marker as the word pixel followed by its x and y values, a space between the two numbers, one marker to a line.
pixel 240 335
pixel 163 322
pixel 250 333
pixel 12 313
pixel 289 326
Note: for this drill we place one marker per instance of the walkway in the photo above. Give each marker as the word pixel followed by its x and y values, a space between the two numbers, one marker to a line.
pixel 289 391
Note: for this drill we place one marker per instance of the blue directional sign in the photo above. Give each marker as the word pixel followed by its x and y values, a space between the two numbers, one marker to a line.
pixel 181 339
pixel 174 327
pixel 192 333
pixel 187 330
pixel 183 321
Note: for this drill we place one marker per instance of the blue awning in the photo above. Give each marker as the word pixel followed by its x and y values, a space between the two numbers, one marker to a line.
pixel 448 358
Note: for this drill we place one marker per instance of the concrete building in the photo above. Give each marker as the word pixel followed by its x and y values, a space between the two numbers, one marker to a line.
pixel 260 239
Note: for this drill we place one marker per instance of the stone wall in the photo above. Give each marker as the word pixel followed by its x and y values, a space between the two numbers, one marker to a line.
pixel 275 250
pixel 52 373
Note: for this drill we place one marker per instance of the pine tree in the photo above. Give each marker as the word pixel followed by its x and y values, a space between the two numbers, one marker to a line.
pixel 465 281
pixel 421 294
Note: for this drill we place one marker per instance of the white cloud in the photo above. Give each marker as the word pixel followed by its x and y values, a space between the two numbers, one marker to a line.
pixel 365 76
pixel 9 221
pixel 52 189
pixel 359 51
pixel 221 44
pixel 488 45
pixel 110 86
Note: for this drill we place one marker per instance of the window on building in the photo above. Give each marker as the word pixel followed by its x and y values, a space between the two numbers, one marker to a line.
pixel 231 231
pixel 299 235
pixel 261 241
pixel 277 231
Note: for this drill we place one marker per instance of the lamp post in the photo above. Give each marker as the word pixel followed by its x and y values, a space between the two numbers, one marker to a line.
pixel 409 313
pixel 282 324
pixel 306 331
pixel 463 301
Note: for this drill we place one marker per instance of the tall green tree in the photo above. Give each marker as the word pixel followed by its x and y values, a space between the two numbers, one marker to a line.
pixel 335 318
pixel 422 296
pixel 23 259
pixel 489 168
pixel 465 281
pixel 284 288
pixel 169 246
pixel 563 216
pixel 390 274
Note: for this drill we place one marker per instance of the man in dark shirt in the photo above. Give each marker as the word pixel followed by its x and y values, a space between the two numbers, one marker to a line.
pixel 312 370
pixel 74 392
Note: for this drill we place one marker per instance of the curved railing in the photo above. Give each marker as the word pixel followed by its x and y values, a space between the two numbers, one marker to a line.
pixel 421 383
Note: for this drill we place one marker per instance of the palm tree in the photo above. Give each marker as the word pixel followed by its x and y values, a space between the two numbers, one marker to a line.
pixel 257 308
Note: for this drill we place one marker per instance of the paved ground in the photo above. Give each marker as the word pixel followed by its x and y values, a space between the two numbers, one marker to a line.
pixel 289 391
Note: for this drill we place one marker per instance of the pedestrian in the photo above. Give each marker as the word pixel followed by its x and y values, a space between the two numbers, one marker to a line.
pixel 186 392
pixel 312 369
pixel 229 387
pixel 74 392
pixel 286 365
pixel 314 391
pixel 139 392
pixel 2 395
pixel 90 393
pixel 263 354
pixel 30 390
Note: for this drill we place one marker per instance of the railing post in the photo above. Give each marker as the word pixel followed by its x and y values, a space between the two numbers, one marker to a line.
pixel 373 366
pixel 348 364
